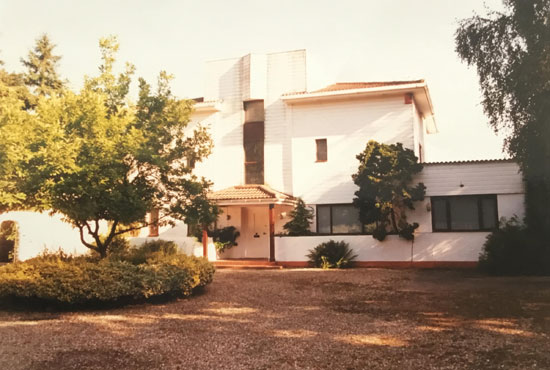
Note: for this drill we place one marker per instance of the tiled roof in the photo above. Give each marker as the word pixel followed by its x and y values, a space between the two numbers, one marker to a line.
pixel 364 85
pixel 250 193
pixel 472 161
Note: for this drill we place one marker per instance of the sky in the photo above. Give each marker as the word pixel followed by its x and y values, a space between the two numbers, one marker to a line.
pixel 346 40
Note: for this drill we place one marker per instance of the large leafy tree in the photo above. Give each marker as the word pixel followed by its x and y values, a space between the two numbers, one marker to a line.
pixel 385 192
pixel 511 51
pixel 15 128
pixel 41 64
pixel 95 157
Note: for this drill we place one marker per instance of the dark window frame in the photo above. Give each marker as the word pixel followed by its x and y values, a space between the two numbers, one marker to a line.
pixel 254 135
pixel 317 141
pixel 330 205
pixel 480 198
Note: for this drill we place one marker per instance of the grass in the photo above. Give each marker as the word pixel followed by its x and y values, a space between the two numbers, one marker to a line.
pixel 302 319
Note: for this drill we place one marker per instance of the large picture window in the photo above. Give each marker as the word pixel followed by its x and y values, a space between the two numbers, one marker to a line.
pixel 464 213
pixel 338 219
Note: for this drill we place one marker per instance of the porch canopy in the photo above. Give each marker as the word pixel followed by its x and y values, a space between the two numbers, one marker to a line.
pixel 251 195
pixel 259 221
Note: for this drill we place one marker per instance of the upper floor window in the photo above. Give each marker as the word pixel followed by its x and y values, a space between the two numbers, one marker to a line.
pixel 253 111
pixel 464 213
pixel 253 141
pixel 321 145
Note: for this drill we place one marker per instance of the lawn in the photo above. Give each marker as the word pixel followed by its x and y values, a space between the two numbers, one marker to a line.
pixel 302 319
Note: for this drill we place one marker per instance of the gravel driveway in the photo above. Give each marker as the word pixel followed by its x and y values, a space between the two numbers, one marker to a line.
pixel 302 319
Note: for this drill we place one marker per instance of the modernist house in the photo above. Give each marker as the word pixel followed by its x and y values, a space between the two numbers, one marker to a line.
pixel 275 141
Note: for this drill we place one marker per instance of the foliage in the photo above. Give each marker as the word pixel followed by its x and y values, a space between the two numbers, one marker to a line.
pixel 41 66
pixel 384 176
pixel 148 250
pixel 94 156
pixel 332 254
pixel 511 51
pixel 301 218
pixel 9 238
pixel 513 250
pixel 224 238
pixel 62 281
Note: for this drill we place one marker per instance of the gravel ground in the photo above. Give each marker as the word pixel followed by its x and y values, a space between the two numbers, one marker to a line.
pixel 302 319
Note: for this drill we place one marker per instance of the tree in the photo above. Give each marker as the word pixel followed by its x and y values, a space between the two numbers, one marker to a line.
pixel 41 66
pixel 511 51
pixel 15 128
pixel 301 217
pixel 97 158
pixel 384 176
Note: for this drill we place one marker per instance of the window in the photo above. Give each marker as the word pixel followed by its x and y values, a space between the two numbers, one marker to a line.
pixel 153 222
pixel 464 213
pixel 338 219
pixel 253 142
pixel 321 150
pixel 253 111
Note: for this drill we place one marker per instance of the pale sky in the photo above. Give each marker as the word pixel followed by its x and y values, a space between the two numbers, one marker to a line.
pixel 346 40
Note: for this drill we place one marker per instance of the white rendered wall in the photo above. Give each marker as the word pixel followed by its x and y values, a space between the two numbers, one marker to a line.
pixel 40 231
pixel 498 177
pixel 427 247
pixel 347 125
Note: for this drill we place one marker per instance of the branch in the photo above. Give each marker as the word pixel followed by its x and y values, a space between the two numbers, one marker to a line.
pixel 81 231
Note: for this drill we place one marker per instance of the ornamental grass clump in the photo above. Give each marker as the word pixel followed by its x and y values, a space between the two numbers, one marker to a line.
pixel 61 281
pixel 332 254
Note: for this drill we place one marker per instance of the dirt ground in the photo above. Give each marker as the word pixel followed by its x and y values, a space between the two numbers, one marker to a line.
pixel 302 319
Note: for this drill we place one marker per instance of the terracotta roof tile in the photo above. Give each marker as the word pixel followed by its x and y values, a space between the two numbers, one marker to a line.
pixel 249 192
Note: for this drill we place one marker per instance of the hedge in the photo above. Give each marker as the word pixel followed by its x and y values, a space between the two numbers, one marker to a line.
pixel 60 281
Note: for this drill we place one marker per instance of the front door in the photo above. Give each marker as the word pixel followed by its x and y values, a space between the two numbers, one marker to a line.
pixel 254 239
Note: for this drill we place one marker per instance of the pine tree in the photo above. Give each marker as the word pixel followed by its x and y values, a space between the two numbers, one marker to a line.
pixel 41 66
pixel 301 218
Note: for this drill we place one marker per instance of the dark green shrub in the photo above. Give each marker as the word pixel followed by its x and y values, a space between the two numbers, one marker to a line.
pixel 61 281
pixel 331 254
pixel 512 250
pixel 9 237
pixel 300 220
pixel 224 238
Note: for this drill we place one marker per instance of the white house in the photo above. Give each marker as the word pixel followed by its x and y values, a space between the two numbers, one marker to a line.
pixel 274 141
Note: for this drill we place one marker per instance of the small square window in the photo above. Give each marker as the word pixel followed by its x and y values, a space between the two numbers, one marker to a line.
pixel 321 150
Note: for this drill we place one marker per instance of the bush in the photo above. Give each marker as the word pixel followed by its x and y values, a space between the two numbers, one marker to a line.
pixel 300 220
pixel 331 254
pixel 61 281
pixel 512 250
pixel 225 238
pixel 142 253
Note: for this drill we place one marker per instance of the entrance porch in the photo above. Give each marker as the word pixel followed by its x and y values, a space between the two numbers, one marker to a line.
pixel 258 213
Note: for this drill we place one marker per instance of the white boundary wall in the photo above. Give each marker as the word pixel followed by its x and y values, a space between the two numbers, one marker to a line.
pixel 427 247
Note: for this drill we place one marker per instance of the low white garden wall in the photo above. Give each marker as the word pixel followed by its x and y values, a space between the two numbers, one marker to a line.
pixel 39 232
pixel 427 247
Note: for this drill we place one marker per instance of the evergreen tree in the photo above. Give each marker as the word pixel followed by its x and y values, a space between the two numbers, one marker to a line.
pixel 41 66
pixel 301 217
pixel 384 176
